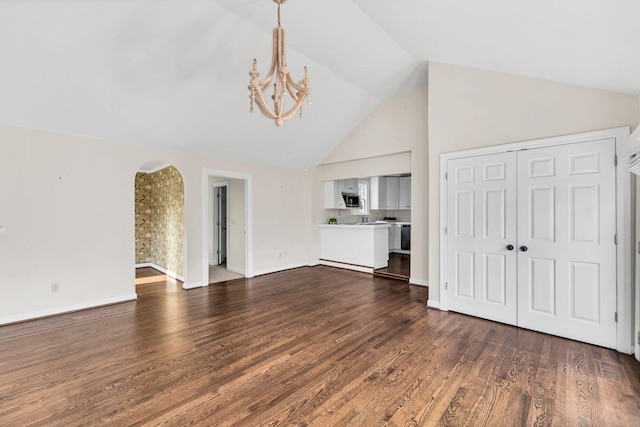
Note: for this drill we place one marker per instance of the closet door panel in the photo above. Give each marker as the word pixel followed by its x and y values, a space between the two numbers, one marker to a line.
pixel 481 203
pixel 566 222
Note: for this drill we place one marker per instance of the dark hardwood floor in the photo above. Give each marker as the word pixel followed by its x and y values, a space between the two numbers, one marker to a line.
pixel 399 267
pixel 312 346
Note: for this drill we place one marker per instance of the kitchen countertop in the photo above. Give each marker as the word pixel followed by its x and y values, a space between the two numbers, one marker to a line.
pixel 365 225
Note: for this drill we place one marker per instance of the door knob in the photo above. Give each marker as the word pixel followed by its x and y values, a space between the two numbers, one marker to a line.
pixel 509 247
pixel 524 248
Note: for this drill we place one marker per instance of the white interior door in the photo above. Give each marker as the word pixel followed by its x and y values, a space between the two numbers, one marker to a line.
pixel 566 241
pixel 481 236
pixel 556 205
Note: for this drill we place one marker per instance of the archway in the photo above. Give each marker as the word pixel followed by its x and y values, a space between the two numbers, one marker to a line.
pixel 159 223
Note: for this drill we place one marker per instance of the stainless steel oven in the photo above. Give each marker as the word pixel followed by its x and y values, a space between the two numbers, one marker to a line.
pixel 405 237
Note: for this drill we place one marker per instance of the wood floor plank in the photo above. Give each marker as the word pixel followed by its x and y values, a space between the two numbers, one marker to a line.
pixel 312 346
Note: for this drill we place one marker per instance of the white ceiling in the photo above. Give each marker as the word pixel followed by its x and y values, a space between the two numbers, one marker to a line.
pixel 174 73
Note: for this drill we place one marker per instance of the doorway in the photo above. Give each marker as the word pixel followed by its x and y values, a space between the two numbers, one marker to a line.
pixel 227 226
pixel 159 223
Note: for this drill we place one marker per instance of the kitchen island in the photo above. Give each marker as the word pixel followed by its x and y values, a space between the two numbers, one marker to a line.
pixel 360 247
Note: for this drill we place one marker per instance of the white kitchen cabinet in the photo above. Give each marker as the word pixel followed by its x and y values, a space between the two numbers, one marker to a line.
pixel 333 192
pixel 348 186
pixel 394 237
pixel 404 193
pixel 329 194
pixel 355 247
pixel 391 192
pixel 377 192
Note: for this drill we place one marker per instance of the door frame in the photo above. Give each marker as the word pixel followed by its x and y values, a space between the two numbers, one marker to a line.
pixel 248 215
pixel 636 330
pixel 216 228
pixel 624 281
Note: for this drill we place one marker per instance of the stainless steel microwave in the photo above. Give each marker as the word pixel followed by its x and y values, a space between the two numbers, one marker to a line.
pixel 351 200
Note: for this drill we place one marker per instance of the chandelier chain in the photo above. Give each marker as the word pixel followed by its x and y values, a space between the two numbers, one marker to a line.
pixel 278 15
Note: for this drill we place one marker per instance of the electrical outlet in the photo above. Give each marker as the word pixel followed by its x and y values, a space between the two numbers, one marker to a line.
pixel 55 287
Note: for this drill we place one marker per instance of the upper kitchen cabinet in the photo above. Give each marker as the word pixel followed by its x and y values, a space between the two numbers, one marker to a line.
pixel 333 192
pixel 348 186
pixel 390 192
pixel 404 192
pixel 391 186
pixel 377 193
pixel 384 192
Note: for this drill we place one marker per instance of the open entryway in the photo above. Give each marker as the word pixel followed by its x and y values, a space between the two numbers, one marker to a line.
pixel 159 223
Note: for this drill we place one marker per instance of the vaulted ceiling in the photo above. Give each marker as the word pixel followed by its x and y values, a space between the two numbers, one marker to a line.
pixel 174 73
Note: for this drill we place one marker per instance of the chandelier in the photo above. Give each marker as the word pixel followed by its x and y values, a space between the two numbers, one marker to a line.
pixel 282 85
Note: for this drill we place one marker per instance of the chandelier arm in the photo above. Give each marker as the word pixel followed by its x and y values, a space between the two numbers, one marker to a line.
pixel 274 61
pixel 297 92
pixel 264 84
pixel 264 107
pixel 298 87
pixel 292 112
pixel 292 93
pixel 280 102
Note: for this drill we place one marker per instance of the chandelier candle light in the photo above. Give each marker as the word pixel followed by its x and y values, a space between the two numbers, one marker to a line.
pixel 283 82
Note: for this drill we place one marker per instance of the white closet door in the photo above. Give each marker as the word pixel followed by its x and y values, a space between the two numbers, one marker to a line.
pixel 566 249
pixel 481 208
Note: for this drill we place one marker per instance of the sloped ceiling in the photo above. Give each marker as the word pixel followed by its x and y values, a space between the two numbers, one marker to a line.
pixel 175 73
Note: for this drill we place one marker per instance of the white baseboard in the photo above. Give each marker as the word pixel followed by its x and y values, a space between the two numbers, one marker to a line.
pixel 277 269
pixel 66 309
pixel 418 282
pixel 433 304
pixel 169 273
pixel 192 285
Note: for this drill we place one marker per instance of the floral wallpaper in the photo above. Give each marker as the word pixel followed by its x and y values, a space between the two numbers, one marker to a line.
pixel 160 219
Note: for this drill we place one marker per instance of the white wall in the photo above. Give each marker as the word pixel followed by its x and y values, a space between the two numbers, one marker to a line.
pixel 391 140
pixel 67 203
pixel 471 108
